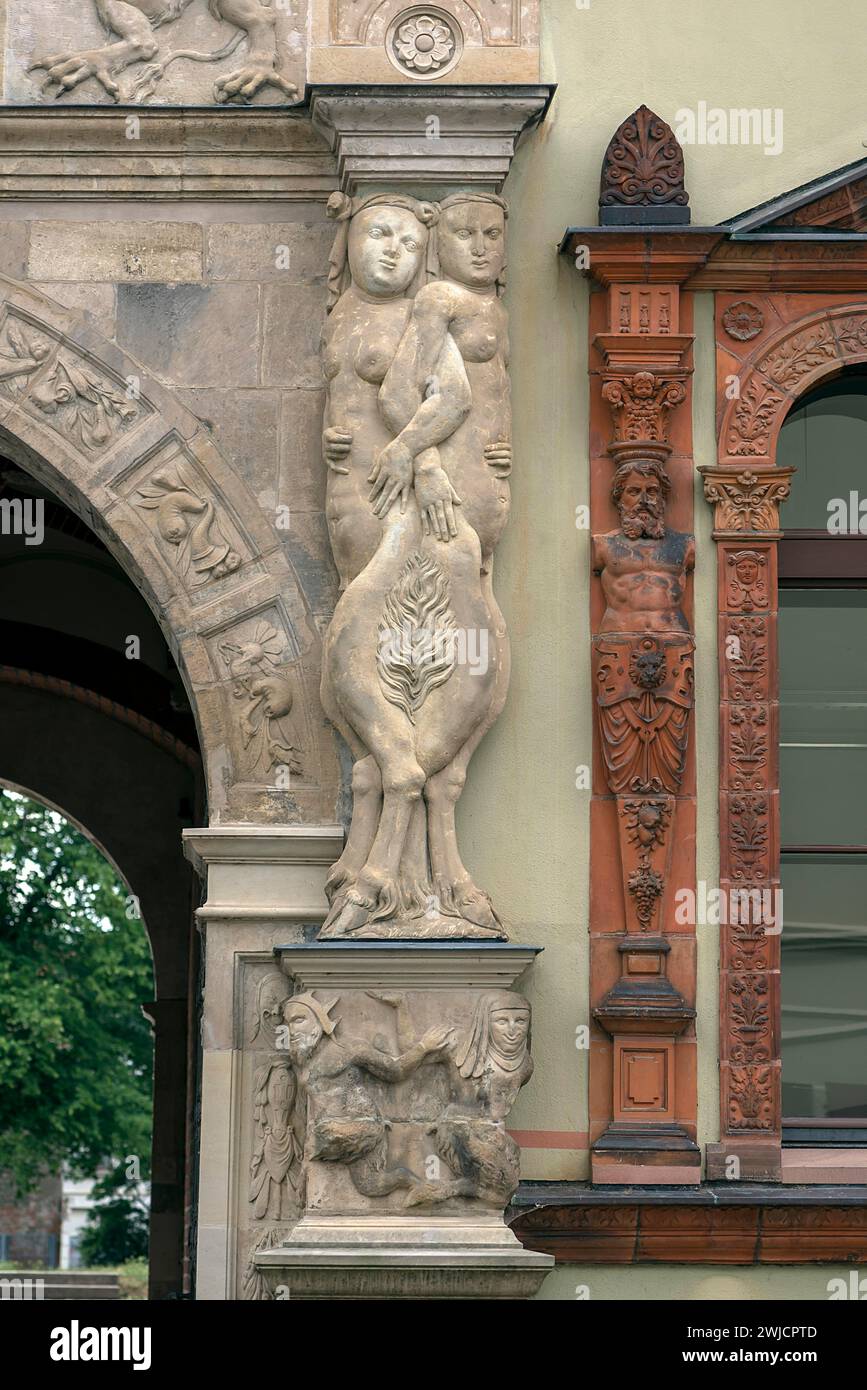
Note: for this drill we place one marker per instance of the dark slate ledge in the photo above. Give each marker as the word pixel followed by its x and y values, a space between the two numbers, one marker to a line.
pixel 445 944
pixel 731 1194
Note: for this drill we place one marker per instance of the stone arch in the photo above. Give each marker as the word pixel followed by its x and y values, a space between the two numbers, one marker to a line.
pixel 146 474
pixel 781 369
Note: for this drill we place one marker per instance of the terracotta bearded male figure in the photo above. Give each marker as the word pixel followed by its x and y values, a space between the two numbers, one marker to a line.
pixel 643 664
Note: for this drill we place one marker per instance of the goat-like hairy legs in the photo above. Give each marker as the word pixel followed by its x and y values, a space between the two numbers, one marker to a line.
pixel 366 803
pixel 452 881
pixel 375 894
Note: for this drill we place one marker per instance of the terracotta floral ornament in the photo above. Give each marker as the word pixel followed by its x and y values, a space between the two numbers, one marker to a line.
pixel 743 321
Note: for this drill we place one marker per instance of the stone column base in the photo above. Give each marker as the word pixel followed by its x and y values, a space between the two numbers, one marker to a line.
pixel 437 1231
pixel 402 1257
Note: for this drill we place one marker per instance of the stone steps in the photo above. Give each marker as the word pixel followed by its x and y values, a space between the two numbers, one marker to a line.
pixel 67 1284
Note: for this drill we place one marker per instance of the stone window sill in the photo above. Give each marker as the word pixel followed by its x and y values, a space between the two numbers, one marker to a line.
pixel 839 1166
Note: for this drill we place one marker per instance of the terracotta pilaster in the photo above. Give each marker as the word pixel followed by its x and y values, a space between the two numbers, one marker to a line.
pixel 642 818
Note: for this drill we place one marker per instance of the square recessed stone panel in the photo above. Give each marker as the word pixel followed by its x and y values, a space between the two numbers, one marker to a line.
pixel 452 41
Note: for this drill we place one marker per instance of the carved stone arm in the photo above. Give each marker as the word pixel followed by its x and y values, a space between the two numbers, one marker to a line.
pixel 393 1069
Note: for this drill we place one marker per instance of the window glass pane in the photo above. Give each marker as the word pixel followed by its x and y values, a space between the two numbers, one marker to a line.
pixel 823 716
pixel 824 986
pixel 826 440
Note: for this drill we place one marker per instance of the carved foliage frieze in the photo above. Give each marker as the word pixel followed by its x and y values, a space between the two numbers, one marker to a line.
pixel 79 399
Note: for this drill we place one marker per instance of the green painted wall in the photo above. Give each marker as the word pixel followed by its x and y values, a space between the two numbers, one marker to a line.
pixel 523 824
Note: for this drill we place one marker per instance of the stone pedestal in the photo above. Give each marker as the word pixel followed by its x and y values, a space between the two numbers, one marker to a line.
pixel 408 1056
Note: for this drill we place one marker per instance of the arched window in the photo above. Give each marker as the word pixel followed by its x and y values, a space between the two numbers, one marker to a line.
pixel 823 765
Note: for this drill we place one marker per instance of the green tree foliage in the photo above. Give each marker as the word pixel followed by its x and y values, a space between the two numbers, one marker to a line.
pixel 76 1054
pixel 117 1227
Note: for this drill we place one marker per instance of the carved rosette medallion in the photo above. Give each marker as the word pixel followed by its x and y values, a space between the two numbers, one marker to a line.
pixel 424 43
pixel 743 321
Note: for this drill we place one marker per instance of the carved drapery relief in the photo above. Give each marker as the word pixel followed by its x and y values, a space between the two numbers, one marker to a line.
pixel 139 46
pixel 417 444
pixel 406 1095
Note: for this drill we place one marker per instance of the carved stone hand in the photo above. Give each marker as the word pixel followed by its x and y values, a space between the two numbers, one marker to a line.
pixel 499 457
pixel 391 477
pixel 437 500
pixel 336 446
pixel 436 1039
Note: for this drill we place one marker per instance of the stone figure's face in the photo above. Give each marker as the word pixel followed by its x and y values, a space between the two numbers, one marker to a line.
pixel 386 246
pixel 509 1029
pixel 271 1001
pixel 472 244
pixel 305 1031
pixel 642 507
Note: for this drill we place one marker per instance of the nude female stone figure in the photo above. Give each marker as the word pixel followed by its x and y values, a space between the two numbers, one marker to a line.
pixel 422 714
pixel 464 307
pixel 379 256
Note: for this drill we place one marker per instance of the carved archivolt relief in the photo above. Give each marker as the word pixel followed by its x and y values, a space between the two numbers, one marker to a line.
pixel 188 525
pixel 75 398
pixel 133 42
pixel 417 446
pixel 264 686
